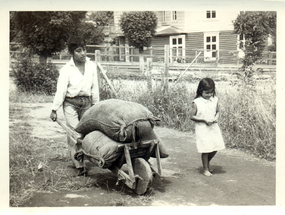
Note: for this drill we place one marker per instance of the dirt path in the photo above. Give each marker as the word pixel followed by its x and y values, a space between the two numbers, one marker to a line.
pixel 239 179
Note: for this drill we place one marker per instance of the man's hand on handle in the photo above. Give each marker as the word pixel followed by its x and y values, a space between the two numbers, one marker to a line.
pixel 53 115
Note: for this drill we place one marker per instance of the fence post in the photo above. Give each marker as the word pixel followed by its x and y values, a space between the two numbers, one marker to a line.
pixel 97 61
pixel 151 52
pixel 270 56
pixel 166 68
pixel 127 51
pixel 141 61
pixel 117 49
pixel 148 73
pixel 132 54
pixel 217 58
pixel 97 56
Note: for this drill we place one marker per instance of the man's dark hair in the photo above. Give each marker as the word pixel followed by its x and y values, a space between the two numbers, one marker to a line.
pixel 74 42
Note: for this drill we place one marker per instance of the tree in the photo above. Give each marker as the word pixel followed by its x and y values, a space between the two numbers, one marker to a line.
pixel 139 27
pixel 272 30
pixel 256 27
pixel 94 24
pixel 44 32
pixel 102 18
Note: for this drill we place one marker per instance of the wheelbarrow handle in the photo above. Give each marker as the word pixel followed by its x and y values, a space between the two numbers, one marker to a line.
pixel 75 136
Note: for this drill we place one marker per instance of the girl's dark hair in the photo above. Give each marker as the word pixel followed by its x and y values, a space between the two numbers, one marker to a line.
pixel 74 42
pixel 205 84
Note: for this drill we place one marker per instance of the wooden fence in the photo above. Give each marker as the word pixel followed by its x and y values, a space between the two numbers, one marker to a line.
pixel 129 56
pixel 158 61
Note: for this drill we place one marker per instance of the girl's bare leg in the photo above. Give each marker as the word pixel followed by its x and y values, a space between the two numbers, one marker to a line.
pixel 205 162
pixel 210 156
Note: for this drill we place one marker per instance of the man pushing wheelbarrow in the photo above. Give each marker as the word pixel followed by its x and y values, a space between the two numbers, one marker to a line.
pixel 116 132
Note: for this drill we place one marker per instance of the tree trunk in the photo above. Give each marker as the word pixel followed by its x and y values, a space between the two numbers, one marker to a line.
pixel 43 58
pixel 166 68
pixel 148 74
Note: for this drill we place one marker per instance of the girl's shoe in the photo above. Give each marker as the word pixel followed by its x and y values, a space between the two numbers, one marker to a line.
pixel 207 173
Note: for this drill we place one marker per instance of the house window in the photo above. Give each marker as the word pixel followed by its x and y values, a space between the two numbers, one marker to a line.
pixel 211 42
pixel 177 48
pixel 211 45
pixel 211 14
pixel 240 41
pixel 174 15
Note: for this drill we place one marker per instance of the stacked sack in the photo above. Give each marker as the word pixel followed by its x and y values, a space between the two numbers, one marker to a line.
pixel 115 121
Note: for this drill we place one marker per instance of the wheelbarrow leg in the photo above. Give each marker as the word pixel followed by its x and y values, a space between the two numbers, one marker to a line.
pixel 129 164
pixel 157 155
pixel 130 178
pixel 122 176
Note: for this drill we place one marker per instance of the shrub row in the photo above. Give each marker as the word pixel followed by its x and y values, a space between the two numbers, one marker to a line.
pixel 31 76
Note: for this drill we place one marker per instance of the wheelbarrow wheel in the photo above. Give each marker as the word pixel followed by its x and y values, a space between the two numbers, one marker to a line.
pixel 143 170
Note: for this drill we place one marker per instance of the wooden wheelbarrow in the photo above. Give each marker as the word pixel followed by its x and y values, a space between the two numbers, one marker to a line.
pixel 139 174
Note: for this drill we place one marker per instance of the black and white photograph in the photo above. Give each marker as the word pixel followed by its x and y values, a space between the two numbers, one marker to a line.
pixel 158 107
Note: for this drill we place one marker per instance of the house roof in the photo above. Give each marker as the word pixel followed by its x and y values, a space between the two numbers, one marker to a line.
pixel 167 30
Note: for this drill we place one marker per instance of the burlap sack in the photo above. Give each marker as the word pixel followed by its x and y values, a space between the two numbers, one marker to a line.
pixel 123 121
pixel 98 144
pixel 103 151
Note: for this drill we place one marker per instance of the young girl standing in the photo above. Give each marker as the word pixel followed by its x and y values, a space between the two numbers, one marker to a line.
pixel 205 112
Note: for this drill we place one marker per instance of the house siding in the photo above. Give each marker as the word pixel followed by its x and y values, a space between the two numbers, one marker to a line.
pixel 194 42
pixel 197 21
pixel 158 44
pixel 197 25
pixel 179 23
pixel 117 29
pixel 228 45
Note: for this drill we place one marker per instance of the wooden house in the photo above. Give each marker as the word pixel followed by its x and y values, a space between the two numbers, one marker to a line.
pixel 190 32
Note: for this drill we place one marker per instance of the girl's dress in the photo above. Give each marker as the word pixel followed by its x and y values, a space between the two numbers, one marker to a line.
pixel 208 138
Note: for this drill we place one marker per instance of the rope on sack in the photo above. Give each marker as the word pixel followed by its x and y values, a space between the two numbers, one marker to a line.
pixel 122 135
pixel 154 121
pixel 79 156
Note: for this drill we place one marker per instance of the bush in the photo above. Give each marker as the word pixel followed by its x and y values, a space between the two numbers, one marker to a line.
pixel 105 92
pixel 172 108
pixel 248 120
pixel 31 76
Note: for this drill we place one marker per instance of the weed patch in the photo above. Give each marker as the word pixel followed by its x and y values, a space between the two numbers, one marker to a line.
pixel 31 162
pixel 247 106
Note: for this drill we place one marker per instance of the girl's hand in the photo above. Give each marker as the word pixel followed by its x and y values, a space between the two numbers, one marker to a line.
pixel 208 122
